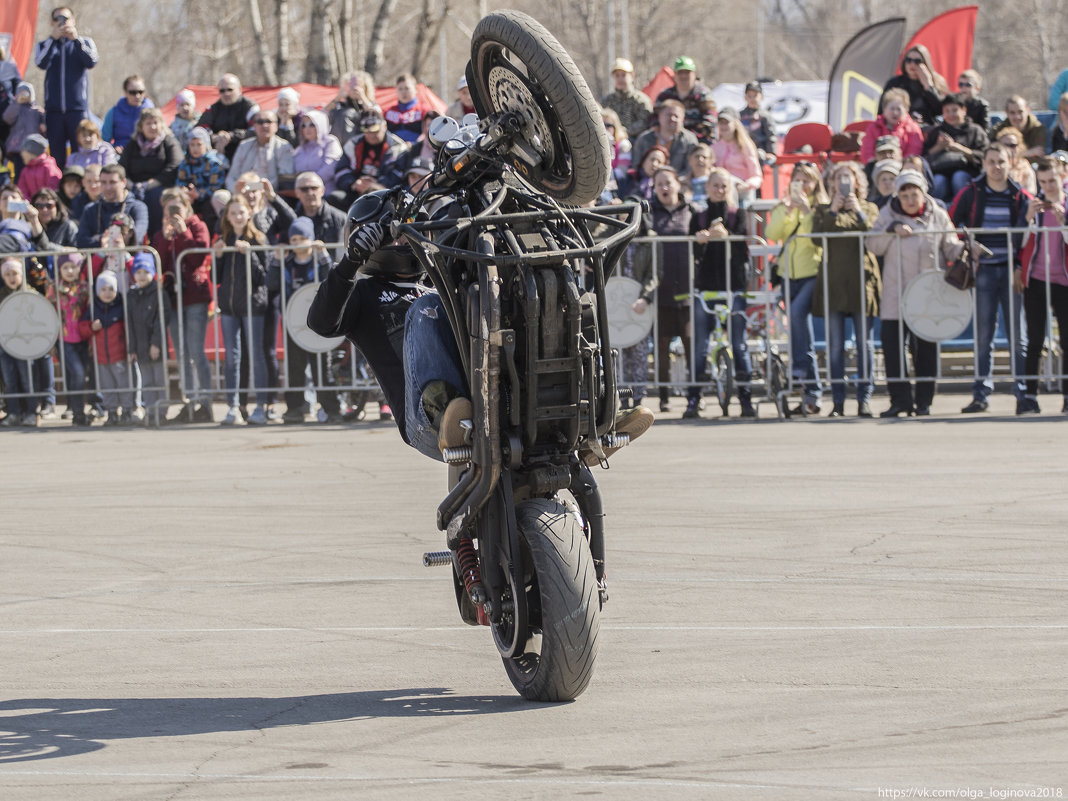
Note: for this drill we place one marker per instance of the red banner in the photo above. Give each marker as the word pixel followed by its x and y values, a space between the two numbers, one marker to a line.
pixel 18 21
pixel 949 37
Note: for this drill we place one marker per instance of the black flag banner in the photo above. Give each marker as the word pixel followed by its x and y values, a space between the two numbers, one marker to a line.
pixel 860 71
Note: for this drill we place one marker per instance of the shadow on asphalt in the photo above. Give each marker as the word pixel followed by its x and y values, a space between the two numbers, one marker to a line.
pixel 47 728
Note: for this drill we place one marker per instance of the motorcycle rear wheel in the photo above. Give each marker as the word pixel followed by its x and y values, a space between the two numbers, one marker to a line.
pixel 556 662
pixel 517 65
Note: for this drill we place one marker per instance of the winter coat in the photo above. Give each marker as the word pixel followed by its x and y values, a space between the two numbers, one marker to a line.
pixel 95 219
pixel 160 165
pixel 673 266
pixel 278 156
pixel 233 276
pixel 710 273
pixel 109 343
pixel 844 267
pixel 234 118
pixel 120 122
pixel 24 119
pixel 801 256
pixel 145 308
pixel 905 257
pixel 907 131
pixel 73 307
pixel 103 154
pixel 41 173
pixel 924 104
pixel 321 154
pixel 1032 252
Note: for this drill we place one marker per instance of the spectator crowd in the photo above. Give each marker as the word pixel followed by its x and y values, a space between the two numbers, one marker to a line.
pixel 212 188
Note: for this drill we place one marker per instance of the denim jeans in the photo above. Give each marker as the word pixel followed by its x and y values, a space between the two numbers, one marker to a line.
pixel 197 372
pixel 802 347
pixel 430 354
pixel 836 355
pixel 244 333
pixel 75 363
pixel 946 187
pixel 993 290
pixel 16 373
pixel 44 379
pixel 704 324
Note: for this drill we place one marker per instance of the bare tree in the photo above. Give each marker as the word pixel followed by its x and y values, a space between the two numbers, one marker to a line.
pixel 376 45
pixel 266 62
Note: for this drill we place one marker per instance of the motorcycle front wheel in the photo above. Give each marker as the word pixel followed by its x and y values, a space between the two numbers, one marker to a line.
pixel 556 661
pixel 517 65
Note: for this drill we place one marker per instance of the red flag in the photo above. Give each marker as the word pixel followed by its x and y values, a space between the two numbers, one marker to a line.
pixel 18 21
pixel 949 37
pixel 661 81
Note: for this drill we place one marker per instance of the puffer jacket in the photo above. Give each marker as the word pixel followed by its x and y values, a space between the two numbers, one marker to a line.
pixel 801 255
pixel 905 257
pixel 109 343
pixel 234 286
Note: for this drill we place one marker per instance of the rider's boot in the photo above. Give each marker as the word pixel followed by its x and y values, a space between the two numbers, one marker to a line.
pixel 632 422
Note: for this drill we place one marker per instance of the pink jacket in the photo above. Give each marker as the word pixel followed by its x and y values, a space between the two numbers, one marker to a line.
pixel 743 166
pixel 41 173
pixel 907 131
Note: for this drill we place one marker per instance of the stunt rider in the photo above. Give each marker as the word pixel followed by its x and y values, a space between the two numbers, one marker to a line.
pixel 379 298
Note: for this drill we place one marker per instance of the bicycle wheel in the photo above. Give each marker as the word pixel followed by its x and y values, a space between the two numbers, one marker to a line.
pixel 517 65
pixel 724 381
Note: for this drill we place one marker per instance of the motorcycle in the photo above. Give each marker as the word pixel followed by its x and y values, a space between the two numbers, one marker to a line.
pixel 505 229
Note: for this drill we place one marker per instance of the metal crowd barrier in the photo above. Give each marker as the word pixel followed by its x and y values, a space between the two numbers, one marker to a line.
pixel 27 328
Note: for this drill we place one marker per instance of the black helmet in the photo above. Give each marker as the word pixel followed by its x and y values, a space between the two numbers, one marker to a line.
pixel 389 260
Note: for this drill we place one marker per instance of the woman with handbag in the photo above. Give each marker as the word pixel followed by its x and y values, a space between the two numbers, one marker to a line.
pixel 900 237
pixel 850 286
pixel 799 262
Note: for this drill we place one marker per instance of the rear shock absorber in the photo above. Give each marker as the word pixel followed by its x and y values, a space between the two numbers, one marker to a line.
pixel 467 558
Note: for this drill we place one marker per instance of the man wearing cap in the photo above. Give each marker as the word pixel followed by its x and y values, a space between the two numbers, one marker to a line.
pixel 633 106
pixel 368 157
pixel 463 103
pixel 266 154
pixel 327 222
pixel 994 201
pixel 114 199
pixel 758 123
pixel 66 58
pixel 229 117
pixel 669 134
pixel 696 98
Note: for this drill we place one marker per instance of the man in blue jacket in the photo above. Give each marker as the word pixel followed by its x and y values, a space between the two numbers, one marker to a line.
pixel 66 58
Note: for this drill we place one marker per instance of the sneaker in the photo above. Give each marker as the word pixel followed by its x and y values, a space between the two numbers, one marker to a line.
pixel 67 415
pixel 332 419
pixel 293 417
pixel 81 421
pixel 29 420
pixel 48 411
pixel 805 409
pixel 258 416
pixel 1027 405
pixel 204 414
pixel 452 433
pixel 183 415
pixel 272 415
pixel 633 422
pixel 838 410
pixel 113 417
pixel 976 406
pixel 693 410
pixel 232 416
pixel 864 409
pixel 9 421
pixel 384 412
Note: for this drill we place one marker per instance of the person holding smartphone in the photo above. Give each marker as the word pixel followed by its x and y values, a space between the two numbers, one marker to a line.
pixel 849 287
pixel 1042 277
pixel 66 59
pixel 799 262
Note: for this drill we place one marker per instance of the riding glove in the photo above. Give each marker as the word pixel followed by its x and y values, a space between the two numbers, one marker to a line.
pixel 364 241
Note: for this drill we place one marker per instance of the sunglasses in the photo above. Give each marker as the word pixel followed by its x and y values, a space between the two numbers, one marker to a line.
pixel 263 122
pixel 225 90
pixel 135 91
pixel 45 205
pixel 913 60
pixel 964 84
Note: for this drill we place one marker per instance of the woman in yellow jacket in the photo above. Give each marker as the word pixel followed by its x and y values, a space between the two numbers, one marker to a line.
pixel 790 223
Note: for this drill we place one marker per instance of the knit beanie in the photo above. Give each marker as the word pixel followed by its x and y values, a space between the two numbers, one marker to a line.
pixel 107 278
pixel 34 144
pixel 289 93
pixel 201 134
pixel 144 261
pixel 302 226
pixel 186 96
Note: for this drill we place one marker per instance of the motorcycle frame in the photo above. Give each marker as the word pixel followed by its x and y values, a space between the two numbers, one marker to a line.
pixel 487 265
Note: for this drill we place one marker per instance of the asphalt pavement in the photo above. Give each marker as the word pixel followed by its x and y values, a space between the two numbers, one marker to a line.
pixel 816 609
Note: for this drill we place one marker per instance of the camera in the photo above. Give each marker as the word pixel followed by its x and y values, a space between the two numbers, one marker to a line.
pixel 845 185
pixel 254 186
pixel 19 206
